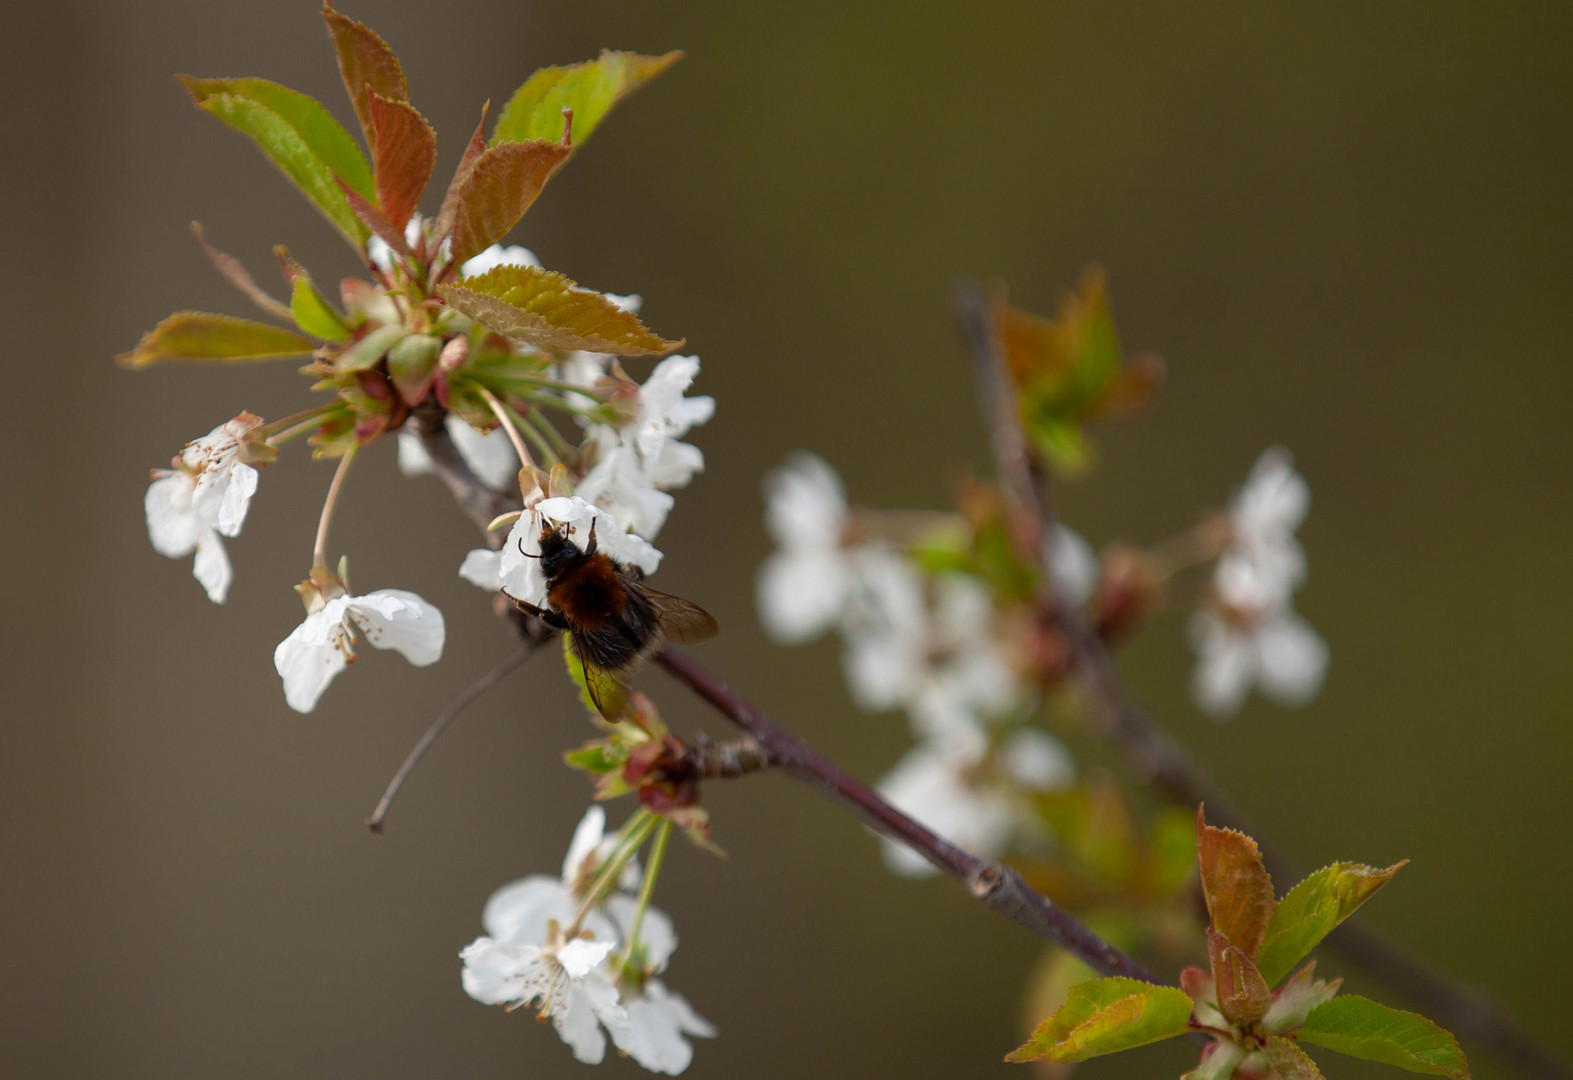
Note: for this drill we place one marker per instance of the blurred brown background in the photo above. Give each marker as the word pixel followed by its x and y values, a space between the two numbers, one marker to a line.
pixel 1346 227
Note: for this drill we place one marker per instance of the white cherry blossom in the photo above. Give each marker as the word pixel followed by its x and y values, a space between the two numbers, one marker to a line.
pixel 565 983
pixel 803 586
pixel 324 644
pixel 205 496
pixel 658 1020
pixel 496 256
pixel 1254 638
pixel 1264 515
pixel 1073 565
pixel 520 568
pixel 490 455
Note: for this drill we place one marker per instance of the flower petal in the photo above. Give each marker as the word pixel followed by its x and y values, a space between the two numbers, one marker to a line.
pixel 1293 657
pixel 413 458
pixel 490 455
pixel 400 620
pixel 482 567
pixel 307 663
pixel 586 838
pixel 801 594
pixel 211 567
pixel 171 525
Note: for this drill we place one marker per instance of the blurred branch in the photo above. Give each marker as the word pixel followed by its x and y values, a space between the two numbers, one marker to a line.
pixel 998 887
pixel 1156 755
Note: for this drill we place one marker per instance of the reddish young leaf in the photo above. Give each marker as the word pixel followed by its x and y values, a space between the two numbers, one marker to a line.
pixel 498 188
pixel 1239 893
pixel 238 276
pixel 1243 995
pixel 450 199
pixel 364 60
pixel 404 153
pixel 374 220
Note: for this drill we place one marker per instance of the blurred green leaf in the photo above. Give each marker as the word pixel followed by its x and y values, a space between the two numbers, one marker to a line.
pixel 1239 893
pixel 590 89
pixel 314 314
pixel 1310 911
pixel 307 144
pixel 412 362
pixel 1364 1029
pixel 597 757
pixel 198 337
pixel 545 308
pixel 496 190
pixel 404 154
pixel 364 60
pixel 1102 1016
pixel 371 348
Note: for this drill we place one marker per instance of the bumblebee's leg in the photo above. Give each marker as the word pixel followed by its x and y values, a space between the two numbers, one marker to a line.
pixel 590 548
pixel 546 615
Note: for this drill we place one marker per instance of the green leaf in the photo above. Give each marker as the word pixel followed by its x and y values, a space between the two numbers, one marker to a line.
pixel 405 152
pixel 1364 1029
pixel 1310 911
pixel 371 348
pixel 314 314
pixel 597 757
pixel 1102 1016
pixel 198 337
pixel 590 89
pixel 307 145
pixel 1290 1062
pixel 411 364
pixel 545 308
pixel 496 190
pixel 1238 891
pixel 364 60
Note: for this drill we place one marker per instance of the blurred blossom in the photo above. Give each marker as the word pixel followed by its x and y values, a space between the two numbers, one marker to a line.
pixel 482 568
pixel 802 588
pixel 490 455
pixel 1073 566
pixel 930 787
pixel 381 255
pixel 1264 516
pixel 1037 760
pixel 493 257
pixel 322 646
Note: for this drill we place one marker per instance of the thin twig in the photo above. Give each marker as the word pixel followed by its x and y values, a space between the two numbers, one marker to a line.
pixel 319 550
pixel 460 703
pixel 1156 755
pixel 998 887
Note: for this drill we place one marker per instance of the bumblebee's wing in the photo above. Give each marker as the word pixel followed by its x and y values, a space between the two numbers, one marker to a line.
pixel 681 620
pixel 606 688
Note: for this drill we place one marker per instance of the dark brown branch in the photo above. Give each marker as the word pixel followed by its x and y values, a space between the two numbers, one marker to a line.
pixel 460 703
pixel 998 887
pixel 1157 756
pixel 706 760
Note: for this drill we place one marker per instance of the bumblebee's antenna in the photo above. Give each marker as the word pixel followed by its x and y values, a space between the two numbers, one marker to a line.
pixel 525 553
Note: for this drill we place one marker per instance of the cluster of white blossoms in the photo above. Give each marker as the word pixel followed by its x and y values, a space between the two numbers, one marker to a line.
pixel 1249 635
pixel 589 963
pixel 628 471
pixel 932 645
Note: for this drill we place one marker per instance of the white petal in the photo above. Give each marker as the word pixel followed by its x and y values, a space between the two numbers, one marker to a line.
pixel 806 506
pixel 575 1021
pixel 801 594
pixel 1037 760
pixel 493 970
pixel 519 565
pixel 1225 665
pixel 929 788
pixel 399 620
pixel 579 957
pixel 496 256
pixel 171 525
pixel 307 663
pixel 1294 659
pixel 236 499
pixel 882 669
pixel 519 911
pixel 1073 565
pixel 676 465
pixel 413 458
pixel 586 838
pixel 380 254
pixel 482 567
pixel 211 567
pixel 656 932
pixel 658 1020
pixel 490 456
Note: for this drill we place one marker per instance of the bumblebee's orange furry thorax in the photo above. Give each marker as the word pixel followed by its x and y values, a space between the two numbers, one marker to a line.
pixel 589 591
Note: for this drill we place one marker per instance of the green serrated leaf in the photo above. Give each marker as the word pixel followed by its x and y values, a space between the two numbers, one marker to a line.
pixel 493 193
pixel 1310 911
pixel 545 308
pixel 371 348
pixel 1102 1016
pixel 1364 1029
pixel 364 60
pixel 1290 1062
pixel 1238 891
pixel 314 314
pixel 596 757
pixel 590 89
pixel 309 154
pixel 201 338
